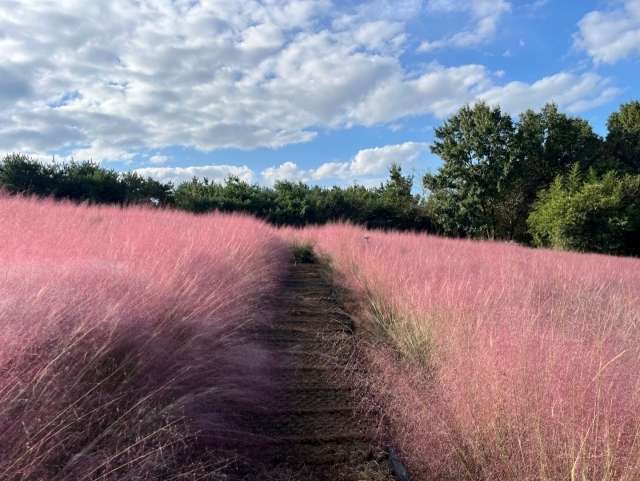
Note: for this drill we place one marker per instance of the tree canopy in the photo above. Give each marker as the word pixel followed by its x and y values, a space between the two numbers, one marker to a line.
pixel 476 148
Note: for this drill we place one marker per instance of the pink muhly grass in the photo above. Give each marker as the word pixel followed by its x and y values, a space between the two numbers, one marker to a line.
pixel 516 363
pixel 121 349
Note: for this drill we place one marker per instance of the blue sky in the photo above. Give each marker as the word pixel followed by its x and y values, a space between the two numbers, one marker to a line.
pixel 313 90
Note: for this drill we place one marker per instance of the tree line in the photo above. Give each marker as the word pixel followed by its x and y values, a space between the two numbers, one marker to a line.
pixel 389 206
pixel 83 181
pixel 544 179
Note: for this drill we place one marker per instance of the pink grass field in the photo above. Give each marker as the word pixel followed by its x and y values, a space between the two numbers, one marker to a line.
pixel 121 346
pixel 507 362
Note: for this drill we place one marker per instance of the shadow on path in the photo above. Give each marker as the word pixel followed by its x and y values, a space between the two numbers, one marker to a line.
pixel 313 433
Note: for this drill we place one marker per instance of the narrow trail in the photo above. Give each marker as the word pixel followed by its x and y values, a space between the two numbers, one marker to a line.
pixel 313 434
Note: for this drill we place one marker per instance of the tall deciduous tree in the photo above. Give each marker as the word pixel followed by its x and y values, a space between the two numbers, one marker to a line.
pixel 546 144
pixel 623 139
pixel 466 193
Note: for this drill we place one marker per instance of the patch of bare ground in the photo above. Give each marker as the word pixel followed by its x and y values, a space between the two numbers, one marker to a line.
pixel 315 431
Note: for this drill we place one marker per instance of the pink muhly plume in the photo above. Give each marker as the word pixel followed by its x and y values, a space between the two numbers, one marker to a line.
pixel 501 362
pixel 122 353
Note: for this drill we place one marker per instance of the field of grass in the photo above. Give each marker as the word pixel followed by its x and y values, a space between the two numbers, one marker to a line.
pixel 494 361
pixel 121 346
pixel 124 354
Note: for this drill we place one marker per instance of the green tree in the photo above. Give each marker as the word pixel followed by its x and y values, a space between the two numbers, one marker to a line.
pixel 353 203
pixel 588 213
pixel 234 195
pixel 80 181
pixel 139 190
pixel 466 192
pixel 395 207
pixel 87 181
pixel 20 173
pixel 293 204
pixel 623 138
pixel 397 190
pixel 546 144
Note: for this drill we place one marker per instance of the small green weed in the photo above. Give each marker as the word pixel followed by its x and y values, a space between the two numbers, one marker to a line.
pixel 411 340
pixel 302 253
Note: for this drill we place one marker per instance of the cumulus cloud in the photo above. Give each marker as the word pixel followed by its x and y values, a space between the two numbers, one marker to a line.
pixel 574 93
pixel 216 173
pixel 108 79
pixel 366 162
pixel 119 75
pixel 377 35
pixel 485 16
pixel 441 91
pixel 609 36
pixel 287 171
pixel 438 90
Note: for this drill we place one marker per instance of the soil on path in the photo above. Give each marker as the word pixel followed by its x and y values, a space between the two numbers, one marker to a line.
pixel 313 434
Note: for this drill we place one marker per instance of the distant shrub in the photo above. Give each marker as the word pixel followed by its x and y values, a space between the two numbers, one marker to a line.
pixel 302 253
pixel 592 214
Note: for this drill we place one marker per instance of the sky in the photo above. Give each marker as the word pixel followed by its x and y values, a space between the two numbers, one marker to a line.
pixel 319 91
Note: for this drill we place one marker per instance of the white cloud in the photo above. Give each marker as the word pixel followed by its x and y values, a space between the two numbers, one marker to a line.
pixel 262 37
pixel 574 93
pixel 610 36
pixel 287 171
pixel 127 74
pixel 377 34
pixel 377 160
pixel 366 162
pixel 485 16
pixel 100 150
pixel 216 173
pixel 441 91
pixel 109 78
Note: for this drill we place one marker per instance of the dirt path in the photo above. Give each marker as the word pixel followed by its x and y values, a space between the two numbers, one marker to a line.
pixel 313 434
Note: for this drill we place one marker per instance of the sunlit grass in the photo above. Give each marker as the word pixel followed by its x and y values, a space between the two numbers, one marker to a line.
pixel 533 357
